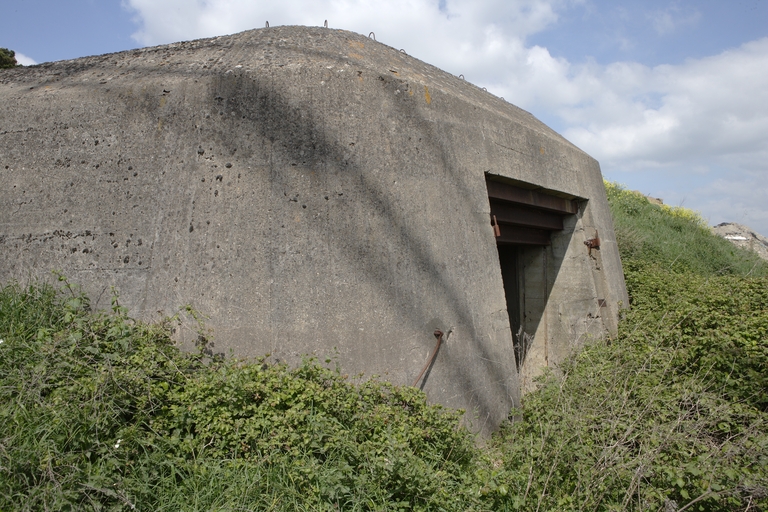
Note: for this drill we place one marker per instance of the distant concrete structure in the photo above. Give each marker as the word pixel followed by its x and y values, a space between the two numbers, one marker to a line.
pixel 313 191
pixel 743 236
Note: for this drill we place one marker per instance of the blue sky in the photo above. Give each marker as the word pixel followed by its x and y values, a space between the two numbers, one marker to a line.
pixel 670 96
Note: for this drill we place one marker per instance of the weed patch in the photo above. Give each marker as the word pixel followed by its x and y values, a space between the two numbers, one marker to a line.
pixel 100 411
pixel 674 238
pixel 669 414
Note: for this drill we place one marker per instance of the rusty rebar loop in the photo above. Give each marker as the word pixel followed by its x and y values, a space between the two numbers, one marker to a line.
pixel 439 335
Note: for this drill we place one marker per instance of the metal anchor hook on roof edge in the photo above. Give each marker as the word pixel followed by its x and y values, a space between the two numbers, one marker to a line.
pixel 439 335
pixel 593 243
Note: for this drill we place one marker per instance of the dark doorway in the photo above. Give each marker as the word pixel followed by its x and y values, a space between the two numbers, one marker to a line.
pixel 510 275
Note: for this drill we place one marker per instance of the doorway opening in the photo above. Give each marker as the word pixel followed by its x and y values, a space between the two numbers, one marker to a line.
pixel 524 218
pixel 510 277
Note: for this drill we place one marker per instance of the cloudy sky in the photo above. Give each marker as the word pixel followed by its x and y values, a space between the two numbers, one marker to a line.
pixel 670 96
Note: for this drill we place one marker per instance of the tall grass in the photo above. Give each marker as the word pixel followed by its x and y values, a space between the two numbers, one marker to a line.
pixel 675 238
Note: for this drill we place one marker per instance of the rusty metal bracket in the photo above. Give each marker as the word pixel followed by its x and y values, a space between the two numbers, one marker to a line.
pixel 495 224
pixel 593 243
pixel 439 335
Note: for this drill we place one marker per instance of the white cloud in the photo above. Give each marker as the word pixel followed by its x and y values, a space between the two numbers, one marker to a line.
pixel 484 41
pixel 24 60
pixel 462 36
pixel 173 20
pixel 716 107
pixel 735 197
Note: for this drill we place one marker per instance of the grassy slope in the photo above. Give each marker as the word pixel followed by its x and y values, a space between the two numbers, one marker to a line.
pixel 98 411
pixel 674 238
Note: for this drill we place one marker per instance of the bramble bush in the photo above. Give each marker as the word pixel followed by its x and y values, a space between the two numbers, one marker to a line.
pixel 669 415
pixel 100 411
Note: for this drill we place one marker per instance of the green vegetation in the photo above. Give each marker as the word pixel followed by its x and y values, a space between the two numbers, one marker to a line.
pixel 674 238
pixel 101 412
pixel 7 58
pixel 672 414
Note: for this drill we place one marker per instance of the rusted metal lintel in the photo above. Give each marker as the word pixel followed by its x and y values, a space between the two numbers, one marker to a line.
pixel 511 193
pixel 518 235
pixel 510 213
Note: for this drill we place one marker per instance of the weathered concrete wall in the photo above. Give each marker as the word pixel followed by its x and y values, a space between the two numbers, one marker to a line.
pixel 564 284
pixel 311 191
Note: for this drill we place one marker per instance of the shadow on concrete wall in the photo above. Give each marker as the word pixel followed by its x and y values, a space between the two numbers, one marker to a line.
pixel 292 130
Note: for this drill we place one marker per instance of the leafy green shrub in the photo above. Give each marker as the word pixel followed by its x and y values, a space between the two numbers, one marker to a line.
pixel 7 58
pixel 672 414
pixel 75 388
pixel 372 438
pixel 98 410
pixel 720 325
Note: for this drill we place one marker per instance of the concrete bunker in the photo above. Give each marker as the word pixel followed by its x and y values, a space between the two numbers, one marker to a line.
pixel 312 191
